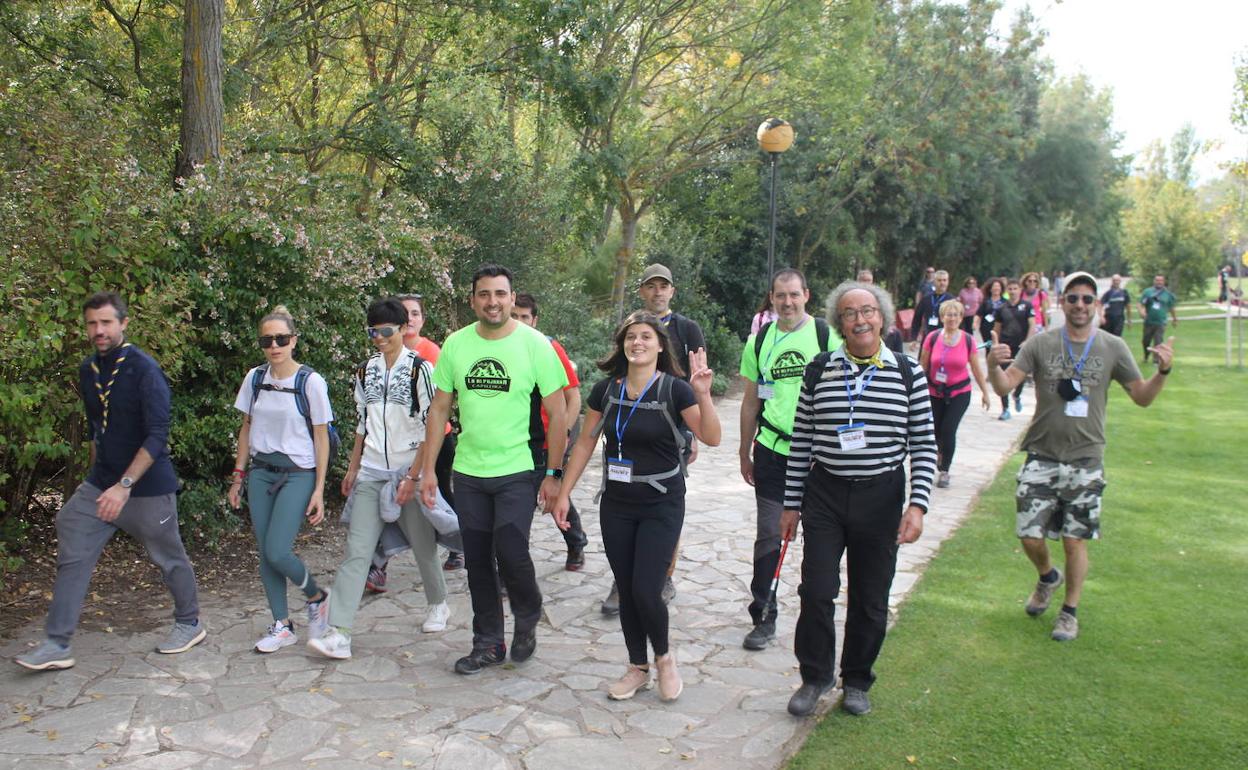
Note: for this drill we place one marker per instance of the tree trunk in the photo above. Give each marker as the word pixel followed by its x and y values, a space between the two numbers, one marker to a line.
pixel 624 254
pixel 202 103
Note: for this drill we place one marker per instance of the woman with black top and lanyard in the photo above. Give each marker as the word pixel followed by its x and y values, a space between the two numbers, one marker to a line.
pixel 287 479
pixel 643 494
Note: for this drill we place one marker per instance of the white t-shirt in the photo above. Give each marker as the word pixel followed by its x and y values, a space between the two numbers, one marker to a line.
pixel 276 425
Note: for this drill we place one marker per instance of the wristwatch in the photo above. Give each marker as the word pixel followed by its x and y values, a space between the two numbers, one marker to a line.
pixel 126 482
pixel 555 472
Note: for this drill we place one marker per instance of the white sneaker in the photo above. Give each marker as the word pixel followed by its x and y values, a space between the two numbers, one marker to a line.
pixel 436 620
pixel 318 617
pixel 278 636
pixel 334 644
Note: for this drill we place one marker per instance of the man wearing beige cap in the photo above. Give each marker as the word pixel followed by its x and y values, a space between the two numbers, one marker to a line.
pixel 656 289
pixel 1060 484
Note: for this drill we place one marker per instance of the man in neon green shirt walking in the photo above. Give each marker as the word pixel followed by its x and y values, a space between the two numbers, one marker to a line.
pixel 772 364
pixel 494 366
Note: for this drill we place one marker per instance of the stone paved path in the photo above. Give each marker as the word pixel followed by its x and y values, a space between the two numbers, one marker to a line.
pixel 397 703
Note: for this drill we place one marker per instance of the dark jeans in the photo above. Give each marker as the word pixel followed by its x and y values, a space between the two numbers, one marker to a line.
pixel 443 467
pixel 769 469
pixel 81 537
pixel 968 324
pixel 574 536
pixel 860 517
pixel 1154 334
pixel 947 414
pixel 639 541
pixel 495 515
pixel 1005 400
pixel 1114 325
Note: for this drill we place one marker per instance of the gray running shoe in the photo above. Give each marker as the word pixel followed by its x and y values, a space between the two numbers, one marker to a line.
pixel 942 480
pixel 1066 628
pixel 182 637
pixel 856 702
pixel 48 656
pixel 1043 595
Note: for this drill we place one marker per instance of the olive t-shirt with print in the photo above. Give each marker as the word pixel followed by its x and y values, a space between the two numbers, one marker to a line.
pixel 1052 433
pixel 494 380
pixel 782 361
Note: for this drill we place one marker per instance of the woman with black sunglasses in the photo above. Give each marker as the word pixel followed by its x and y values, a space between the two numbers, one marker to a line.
pixel 280 400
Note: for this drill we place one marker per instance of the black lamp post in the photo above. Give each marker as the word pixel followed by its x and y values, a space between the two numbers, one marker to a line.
pixel 774 137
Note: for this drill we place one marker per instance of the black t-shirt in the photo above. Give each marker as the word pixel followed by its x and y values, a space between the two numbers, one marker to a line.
pixel 1009 321
pixel 686 337
pixel 1115 302
pixel 648 439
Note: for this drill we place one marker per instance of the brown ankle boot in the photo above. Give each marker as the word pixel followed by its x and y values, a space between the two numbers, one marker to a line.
pixel 670 685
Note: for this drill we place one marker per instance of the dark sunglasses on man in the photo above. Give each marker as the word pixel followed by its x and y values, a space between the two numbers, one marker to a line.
pixel 1075 299
pixel 266 340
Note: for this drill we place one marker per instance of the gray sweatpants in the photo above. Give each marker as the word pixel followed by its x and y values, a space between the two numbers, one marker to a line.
pixel 81 537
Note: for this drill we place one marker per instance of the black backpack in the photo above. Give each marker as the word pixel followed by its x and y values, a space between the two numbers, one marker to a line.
pixel 814 370
pixel 822 333
pixel 300 392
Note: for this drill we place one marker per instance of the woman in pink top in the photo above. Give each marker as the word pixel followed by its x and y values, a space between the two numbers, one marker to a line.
pixel 1037 297
pixel 764 316
pixel 971 297
pixel 949 359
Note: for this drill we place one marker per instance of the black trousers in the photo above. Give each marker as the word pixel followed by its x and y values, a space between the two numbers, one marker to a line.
pixel 639 541
pixel 947 414
pixel 769 469
pixel 495 516
pixel 1114 325
pixel 861 517
pixel 1005 400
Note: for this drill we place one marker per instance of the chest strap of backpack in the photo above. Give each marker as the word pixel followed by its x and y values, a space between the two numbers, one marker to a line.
pixel 823 335
pixel 662 405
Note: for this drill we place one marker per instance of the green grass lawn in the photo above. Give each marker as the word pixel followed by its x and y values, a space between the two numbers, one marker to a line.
pixel 1159 674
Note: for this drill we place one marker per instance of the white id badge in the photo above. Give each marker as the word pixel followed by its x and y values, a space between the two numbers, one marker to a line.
pixel 988 318
pixel 941 376
pixel 766 390
pixel 1077 408
pixel 1156 306
pixel 933 321
pixel 620 470
pixel 853 436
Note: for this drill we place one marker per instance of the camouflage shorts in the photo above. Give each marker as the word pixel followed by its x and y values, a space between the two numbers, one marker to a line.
pixel 1059 499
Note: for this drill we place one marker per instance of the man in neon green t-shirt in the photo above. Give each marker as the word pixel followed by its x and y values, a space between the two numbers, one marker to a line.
pixel 772 364
pixel 494 366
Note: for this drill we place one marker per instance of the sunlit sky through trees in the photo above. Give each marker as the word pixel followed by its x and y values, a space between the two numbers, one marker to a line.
pixel 1166 62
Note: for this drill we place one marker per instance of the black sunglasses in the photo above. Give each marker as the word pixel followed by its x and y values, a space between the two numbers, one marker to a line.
pixel 1075 299
pixel 266 340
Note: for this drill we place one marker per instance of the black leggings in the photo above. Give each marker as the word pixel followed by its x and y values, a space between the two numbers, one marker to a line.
pixel 1005 400
pixel 639 540
pixel 947 415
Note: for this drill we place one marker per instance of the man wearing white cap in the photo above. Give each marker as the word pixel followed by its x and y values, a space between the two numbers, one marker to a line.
pixel 1060 485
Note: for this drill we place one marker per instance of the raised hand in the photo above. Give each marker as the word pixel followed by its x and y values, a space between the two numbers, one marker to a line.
pixel 999 354
pixel 700 376
pixel 1164 353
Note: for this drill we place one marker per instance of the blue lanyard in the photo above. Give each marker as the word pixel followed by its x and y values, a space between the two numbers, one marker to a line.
pixel 762 365
pixel 1087 348
pixel 868 374
pixel 619 429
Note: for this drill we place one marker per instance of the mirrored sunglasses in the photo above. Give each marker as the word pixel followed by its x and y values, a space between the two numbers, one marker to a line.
pixel 387 331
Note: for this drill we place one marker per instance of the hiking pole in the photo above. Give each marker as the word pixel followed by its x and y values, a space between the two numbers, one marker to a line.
pixel 775 580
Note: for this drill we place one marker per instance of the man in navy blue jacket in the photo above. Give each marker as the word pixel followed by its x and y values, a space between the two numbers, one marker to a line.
pixel 131 486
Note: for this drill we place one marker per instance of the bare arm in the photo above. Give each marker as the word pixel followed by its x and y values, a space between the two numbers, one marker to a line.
pixel 749 426
pixel 977 371
pixel 240 463
pixel 316 504
pixel 579 458
pixel 572 404
pixel 1003 380
pixel 1144 392
pixel 435 429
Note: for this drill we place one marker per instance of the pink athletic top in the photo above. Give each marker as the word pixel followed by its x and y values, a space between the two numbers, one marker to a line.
pixel 971 299
pixel 949 362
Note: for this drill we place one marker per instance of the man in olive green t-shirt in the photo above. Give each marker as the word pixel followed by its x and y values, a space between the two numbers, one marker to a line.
pixel 1059 486
pixel 493 366
pixel 772 364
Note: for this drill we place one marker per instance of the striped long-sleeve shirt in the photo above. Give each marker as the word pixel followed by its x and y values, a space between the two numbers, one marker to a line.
pixel 895 423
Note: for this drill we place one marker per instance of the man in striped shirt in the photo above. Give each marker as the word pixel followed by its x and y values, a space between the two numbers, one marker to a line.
pixel 862 410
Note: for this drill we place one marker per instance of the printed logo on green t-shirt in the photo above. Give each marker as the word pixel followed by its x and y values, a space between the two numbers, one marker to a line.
pixel 489 377
pixel 790 364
